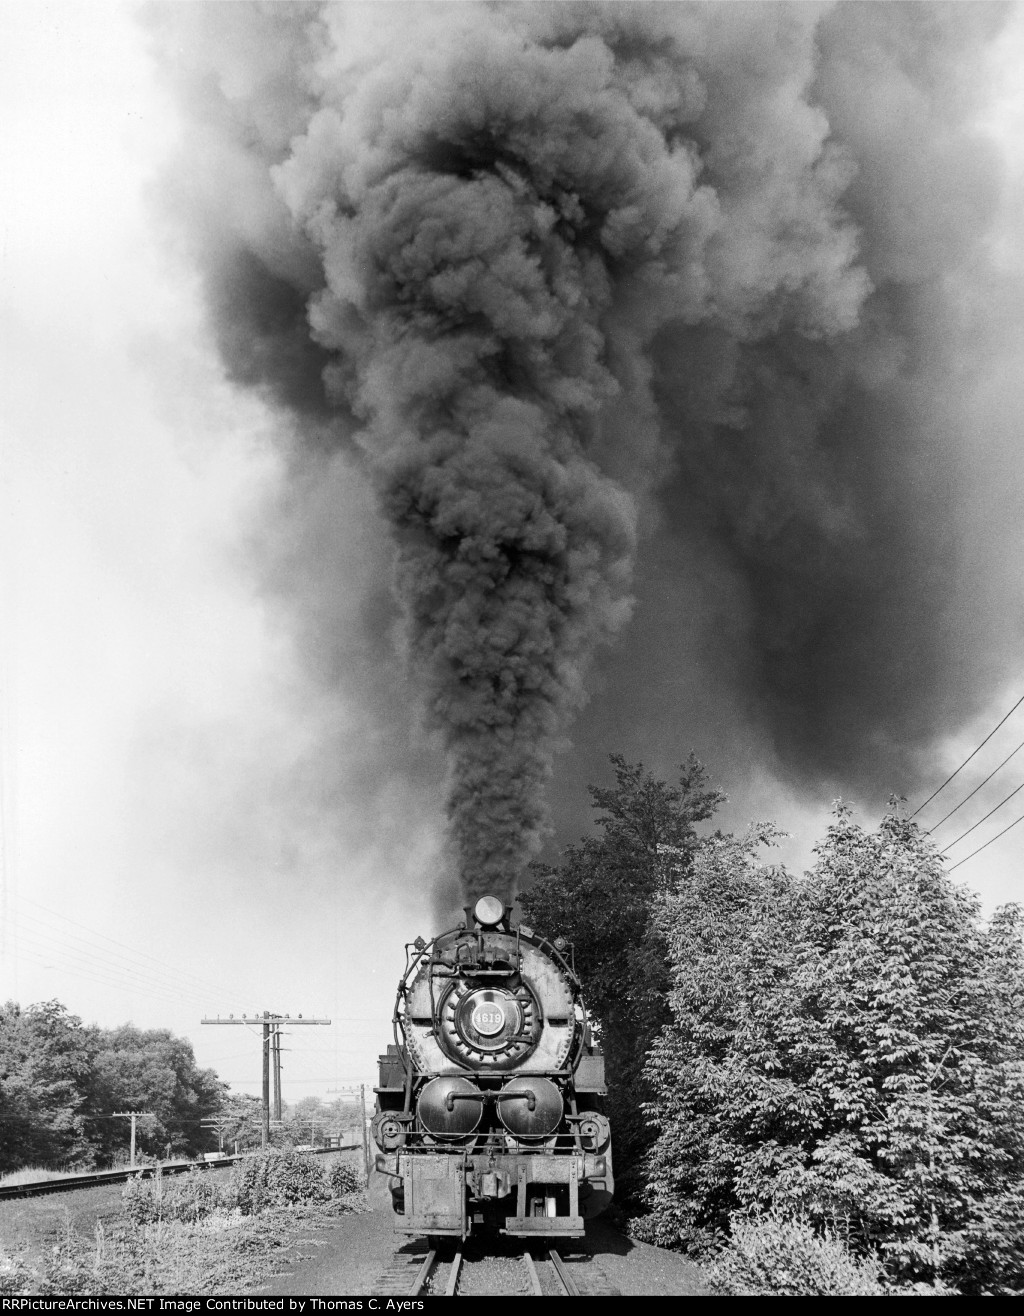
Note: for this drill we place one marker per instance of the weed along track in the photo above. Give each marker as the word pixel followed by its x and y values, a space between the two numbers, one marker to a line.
pixel 473 1272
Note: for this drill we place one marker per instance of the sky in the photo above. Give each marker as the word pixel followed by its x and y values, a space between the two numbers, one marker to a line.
pixel 152 866
pixel 199 817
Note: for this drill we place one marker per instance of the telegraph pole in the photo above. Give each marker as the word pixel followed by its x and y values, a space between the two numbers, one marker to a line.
pixel 272 1025
pixel 364 1137
pixel 276 1042
pixel 132 1115
pixel 365 1132
pixel 265 1132
pixel 219 1125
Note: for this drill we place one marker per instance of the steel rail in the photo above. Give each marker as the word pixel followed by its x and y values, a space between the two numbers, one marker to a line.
pixel 531 1267
pixel 72 1183
pixel 423 1274
pixel 452 1287
pixel 565 1279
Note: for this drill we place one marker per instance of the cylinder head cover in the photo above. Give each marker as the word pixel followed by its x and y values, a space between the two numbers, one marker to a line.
pixel 530 1107
pixel 449 1107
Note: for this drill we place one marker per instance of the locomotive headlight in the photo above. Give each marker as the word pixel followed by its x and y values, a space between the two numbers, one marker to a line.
pixel 488 911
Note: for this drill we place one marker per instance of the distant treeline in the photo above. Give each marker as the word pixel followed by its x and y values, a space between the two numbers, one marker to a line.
pixel 61 1082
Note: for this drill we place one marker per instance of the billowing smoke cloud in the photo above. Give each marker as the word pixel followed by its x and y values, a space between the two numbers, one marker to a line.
pixel 559 275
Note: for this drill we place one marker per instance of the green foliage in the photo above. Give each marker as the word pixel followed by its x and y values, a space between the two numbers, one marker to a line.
pixel 343 1179
pixel 602 898
pixel 224 1252
pixel 139 1202
pixel 184 1234
pixel 720 1095
pixel 241 1117
pixel 16 1277
pixel 45 1066
pixel 190 1197
pixel 844 1048
pixel 786 1258
pixel 154 1071
pixel 277 1178
pixel 59 1083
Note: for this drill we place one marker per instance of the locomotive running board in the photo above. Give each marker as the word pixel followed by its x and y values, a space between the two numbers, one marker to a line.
pixel 566 1226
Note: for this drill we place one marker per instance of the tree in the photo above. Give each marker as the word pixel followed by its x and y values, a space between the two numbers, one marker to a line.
pixel 849 1049
pixel 720 1095
pixel 242 1116
pixel 44 1069
pixel 152 1071
pixel 307 1121
pixel 602 898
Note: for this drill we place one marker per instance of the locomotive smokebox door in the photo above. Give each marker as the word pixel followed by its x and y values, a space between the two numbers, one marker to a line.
pixel 435 1195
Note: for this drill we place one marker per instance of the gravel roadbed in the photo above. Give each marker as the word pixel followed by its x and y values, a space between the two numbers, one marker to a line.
pixel 348 1258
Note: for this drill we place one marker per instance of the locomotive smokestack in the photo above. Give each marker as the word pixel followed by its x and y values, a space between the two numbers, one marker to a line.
pixel 528 260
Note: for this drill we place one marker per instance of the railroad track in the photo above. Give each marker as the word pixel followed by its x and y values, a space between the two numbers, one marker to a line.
pixel 74 1182
pixel 468 1272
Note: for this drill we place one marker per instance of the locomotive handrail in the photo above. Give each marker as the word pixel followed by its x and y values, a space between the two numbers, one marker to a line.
pixel 528 1093
pixel 491 1098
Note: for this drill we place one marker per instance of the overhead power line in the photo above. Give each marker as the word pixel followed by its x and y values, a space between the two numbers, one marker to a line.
pixel 273 1024
pixel 968 758
pixel 987 843
pixel 977 788
pixel 981 820
pixel 142 956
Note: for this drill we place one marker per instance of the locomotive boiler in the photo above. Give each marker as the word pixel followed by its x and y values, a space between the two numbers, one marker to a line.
pixel 490 1107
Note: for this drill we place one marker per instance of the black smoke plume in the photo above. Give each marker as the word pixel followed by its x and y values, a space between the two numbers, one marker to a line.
pixel 559 276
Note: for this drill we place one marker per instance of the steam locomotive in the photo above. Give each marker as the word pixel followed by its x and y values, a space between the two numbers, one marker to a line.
pixel 490 1108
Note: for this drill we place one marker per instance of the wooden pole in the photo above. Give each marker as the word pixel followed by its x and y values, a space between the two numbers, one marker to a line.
pixel 277 1073
pixel 132 1115
pixel 265 1133
pixel 366 1144
pixel 268 1029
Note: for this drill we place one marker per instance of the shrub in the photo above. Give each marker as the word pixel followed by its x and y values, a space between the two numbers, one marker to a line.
pixel 190 1198
pixel 139 1203
pixel 770 1255
pixel 342 1179
pixel 15 1277
pixel 277 1178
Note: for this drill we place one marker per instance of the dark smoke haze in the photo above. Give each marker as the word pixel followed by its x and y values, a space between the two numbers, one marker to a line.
pixel 668 308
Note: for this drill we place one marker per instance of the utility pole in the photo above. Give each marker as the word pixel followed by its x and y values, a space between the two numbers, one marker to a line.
pixel 218 1124
pixel 272 1025
pixel 265 1132
pixel 276 1041
pixel 365 1132
pixel 132 1115
pixel 364 1136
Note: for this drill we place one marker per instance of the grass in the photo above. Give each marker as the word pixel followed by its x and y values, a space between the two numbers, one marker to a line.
pixel 35 1174
pixel 186 1237
pixel 30 1226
